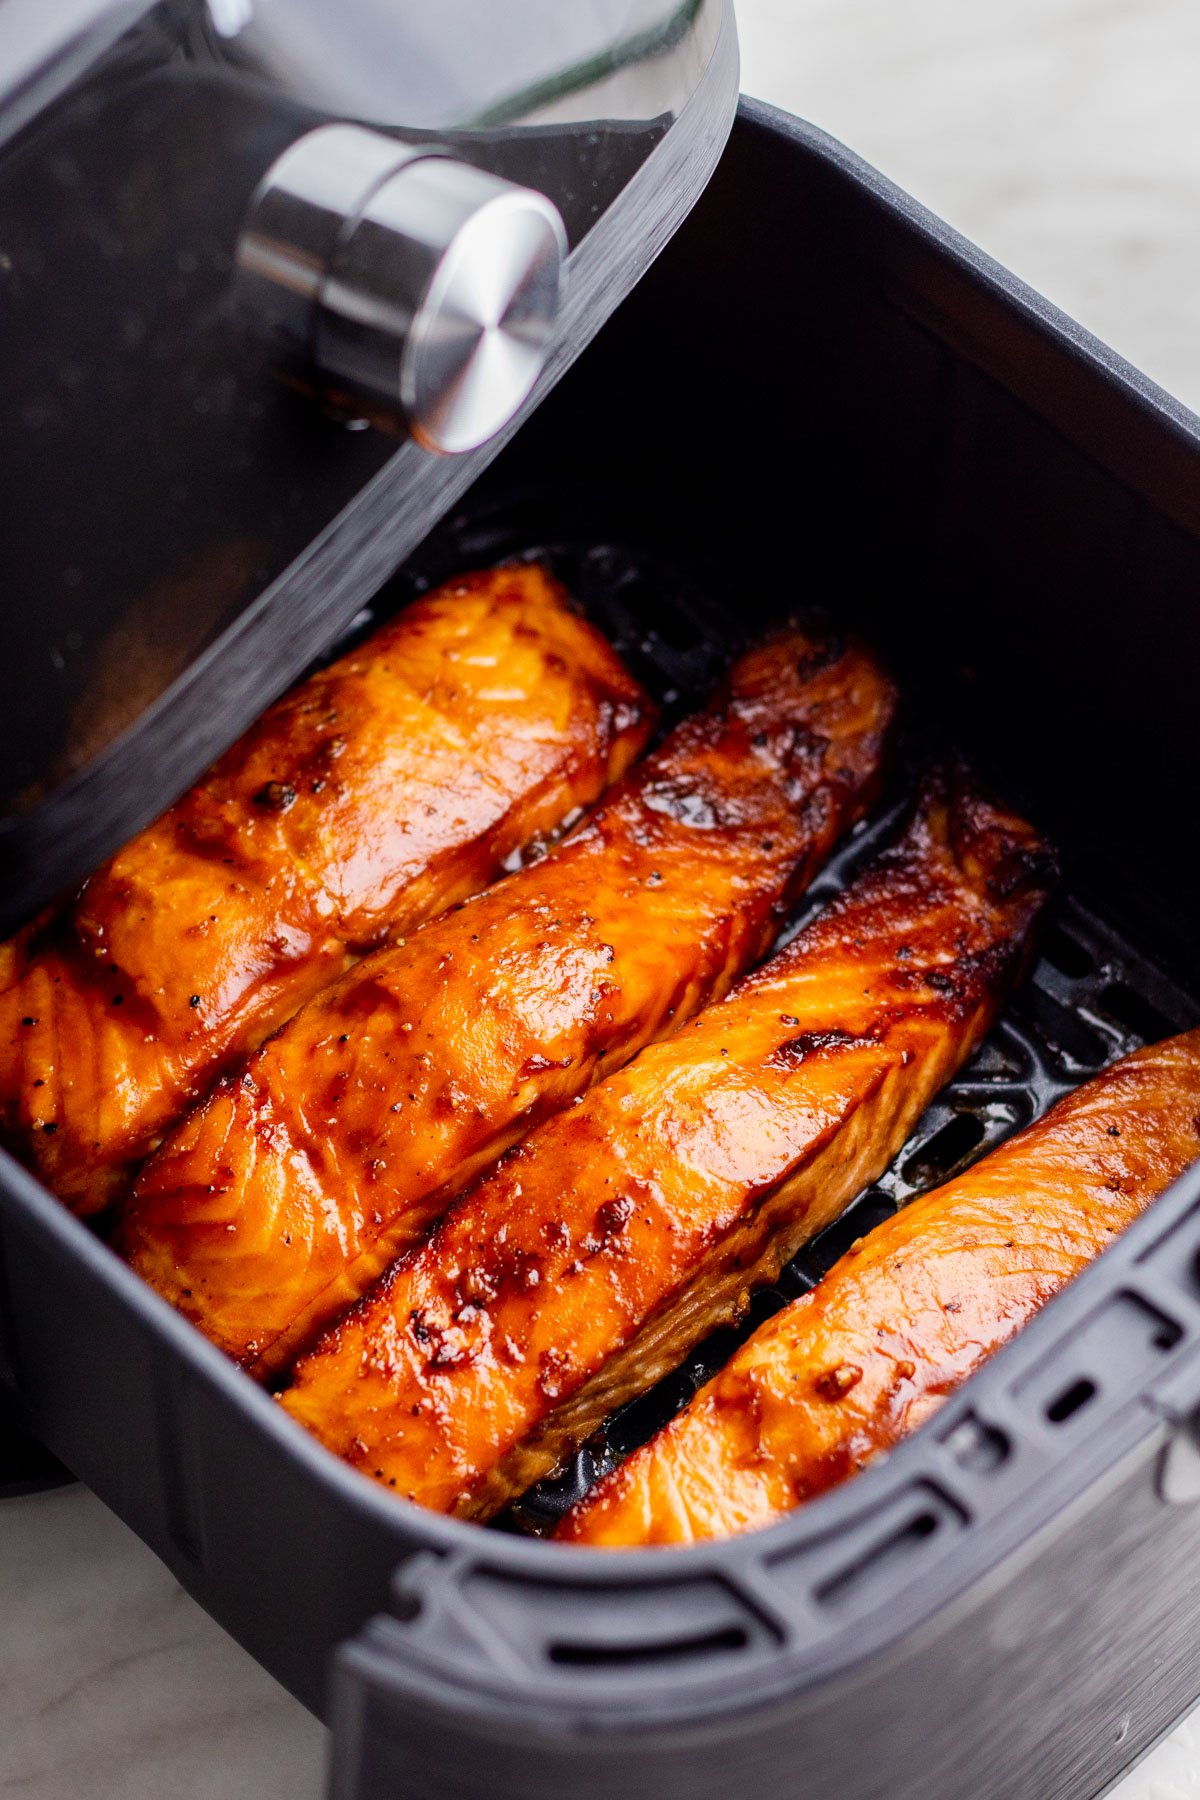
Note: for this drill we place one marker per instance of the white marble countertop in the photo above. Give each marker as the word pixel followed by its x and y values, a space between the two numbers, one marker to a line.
pixel 114 1685
pixel 1063 135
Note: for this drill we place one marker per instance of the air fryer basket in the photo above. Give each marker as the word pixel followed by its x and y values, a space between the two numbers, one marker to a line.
pixel 817 396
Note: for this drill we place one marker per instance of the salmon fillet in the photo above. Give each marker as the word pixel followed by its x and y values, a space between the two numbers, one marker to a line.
pixel 625 1229
pixel 281 1200
pixel 908 1313
pixel 372 796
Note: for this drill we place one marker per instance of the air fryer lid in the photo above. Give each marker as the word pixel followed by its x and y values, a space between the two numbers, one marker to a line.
pixel 240 238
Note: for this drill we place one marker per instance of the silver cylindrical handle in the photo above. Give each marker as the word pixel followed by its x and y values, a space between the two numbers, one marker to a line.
pixel 411 277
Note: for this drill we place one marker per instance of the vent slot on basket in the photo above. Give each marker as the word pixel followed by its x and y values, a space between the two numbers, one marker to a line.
pixel 621 1656
pixel 1072 1400
pixel 1111 1355
pixel 889 1549
pixel 615 1625
pixel 850 1584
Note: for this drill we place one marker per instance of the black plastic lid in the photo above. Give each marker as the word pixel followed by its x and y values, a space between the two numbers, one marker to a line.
pixel 183 530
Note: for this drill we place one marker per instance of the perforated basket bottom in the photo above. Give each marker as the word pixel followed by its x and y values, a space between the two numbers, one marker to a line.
pixel 1088 999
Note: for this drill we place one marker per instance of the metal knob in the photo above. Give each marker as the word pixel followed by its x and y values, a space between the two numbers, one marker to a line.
pixel 411 277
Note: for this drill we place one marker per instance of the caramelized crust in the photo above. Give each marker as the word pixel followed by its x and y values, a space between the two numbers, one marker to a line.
pixel 283 1198
pixel 604 1247
pixel 372 796
pixel 908 1313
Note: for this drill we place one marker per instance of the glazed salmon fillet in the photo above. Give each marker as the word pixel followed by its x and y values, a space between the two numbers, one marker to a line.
pixel 908 1313
pixel 372 796
pixel 288 1193
pixel 625 1229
